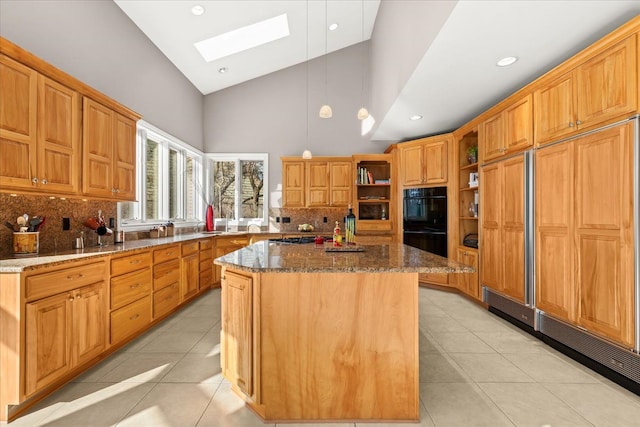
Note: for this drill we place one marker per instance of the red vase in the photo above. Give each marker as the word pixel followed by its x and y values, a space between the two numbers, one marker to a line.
pixel 208 225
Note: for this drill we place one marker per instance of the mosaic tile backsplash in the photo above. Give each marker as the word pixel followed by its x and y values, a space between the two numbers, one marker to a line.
pixel 52 237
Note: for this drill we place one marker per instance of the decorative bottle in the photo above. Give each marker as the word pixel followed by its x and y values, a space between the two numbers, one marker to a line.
pixel 350 226
pixel 337 238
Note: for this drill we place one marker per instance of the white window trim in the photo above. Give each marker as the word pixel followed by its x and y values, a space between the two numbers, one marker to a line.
pixel 146 131
pixel 237 157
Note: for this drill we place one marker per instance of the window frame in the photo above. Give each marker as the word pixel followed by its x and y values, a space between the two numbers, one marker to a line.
pixel 239 157
pixel 166 142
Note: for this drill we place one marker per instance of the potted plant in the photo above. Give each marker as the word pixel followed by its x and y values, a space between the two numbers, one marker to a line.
pixel 472 154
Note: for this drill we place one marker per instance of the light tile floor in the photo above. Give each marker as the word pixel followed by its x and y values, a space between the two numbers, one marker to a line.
pixel 475 370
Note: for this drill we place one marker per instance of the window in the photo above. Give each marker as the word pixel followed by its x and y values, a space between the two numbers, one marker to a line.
pixel 168 182
pixel 237 184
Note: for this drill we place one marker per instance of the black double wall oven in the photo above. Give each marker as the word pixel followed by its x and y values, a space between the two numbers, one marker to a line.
pixel 425 219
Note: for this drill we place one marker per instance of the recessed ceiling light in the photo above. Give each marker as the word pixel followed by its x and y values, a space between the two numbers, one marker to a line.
pixel 333 27
pixel 416 117
pixel 197 10
pixel 243 38
pixel 223 70
pixel 506 61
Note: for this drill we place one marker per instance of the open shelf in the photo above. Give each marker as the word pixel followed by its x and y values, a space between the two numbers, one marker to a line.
pixel 373 201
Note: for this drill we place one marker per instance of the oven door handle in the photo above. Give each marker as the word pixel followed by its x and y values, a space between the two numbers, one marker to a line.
pixel 439 233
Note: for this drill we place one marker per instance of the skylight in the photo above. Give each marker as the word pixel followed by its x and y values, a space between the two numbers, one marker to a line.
pixel 244 38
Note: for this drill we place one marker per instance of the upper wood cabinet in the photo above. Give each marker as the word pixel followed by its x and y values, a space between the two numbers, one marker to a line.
pixel 42 121
pixel 509 131
pixel 424 162
pixel 293 184
pixel 39 132
pixel 322 182
pixel 109 153
pixel 601 89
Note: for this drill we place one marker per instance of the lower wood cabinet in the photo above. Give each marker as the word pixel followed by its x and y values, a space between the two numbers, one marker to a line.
pixel 63 331
pixel 468 282
pixel 190 270
pixel 206 264
pixel 236 339
pixel 166 280
pixel 130 292
pixel 225 245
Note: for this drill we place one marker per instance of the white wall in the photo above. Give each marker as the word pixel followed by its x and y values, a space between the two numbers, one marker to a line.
pixel 94 41
pixel 403 32
pixel 269 114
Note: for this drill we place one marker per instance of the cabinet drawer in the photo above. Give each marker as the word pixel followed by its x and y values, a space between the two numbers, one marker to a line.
pixel 206 278
pixel 130 287
pixel 437 278
pixel 130 263
pixel 206 244
pixel 166 299
pixel 165 254
pixel 130 319
pixel 189 248
pixel 373 225
pixel 206 255
pixel 47 284
pixel 166 273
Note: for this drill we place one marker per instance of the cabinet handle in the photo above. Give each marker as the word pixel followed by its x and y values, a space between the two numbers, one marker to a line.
pixel 137 285
pixel 570 124
pixel 34 180
pixel 578 122
pixel 135 316
pixel 170 297
pixel 77 276
pixel 134 262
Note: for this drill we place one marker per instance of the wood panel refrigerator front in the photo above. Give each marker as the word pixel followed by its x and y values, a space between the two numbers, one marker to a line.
pixel 584 232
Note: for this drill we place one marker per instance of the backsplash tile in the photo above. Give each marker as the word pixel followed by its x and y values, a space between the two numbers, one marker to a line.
pixel 52 237
pixel 313 216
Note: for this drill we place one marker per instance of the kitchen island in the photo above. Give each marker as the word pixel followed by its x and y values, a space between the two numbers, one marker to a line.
pixel 310 335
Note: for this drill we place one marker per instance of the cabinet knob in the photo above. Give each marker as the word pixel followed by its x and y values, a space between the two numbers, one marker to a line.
pixel 570 124
pixel 34 180
pixel 113 190
pixel 44 181
pixel 78 296
pixel 117 190
pixel 578 122
pixel 70 299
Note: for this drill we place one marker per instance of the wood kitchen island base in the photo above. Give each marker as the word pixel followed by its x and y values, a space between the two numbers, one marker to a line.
pixel 321 343
pixel 326 347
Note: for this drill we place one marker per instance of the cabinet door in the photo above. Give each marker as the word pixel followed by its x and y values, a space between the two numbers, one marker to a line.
pixel 555 288
pixel 124 158
pixel 293 184
pixel 97 149
pixel 340 178
pixel 89 322
pixel 555 109
pixel 236 356
pixel 607 84
pixel 190 275
pixel 47 341
pixel 18 104
pixel 412 165
pixel 468 282
pixel 518 125
pixel 490 211
pixel 58 165
pixel 435 160
pixel 512 227
pixel 492 137
pixel 317 184
pixel 604 233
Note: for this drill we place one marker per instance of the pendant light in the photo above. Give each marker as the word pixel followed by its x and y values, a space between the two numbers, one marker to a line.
pixel 363 113
pixel 325 110
pixel 306 154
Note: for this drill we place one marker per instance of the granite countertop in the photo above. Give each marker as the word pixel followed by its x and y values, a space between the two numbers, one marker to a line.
pixel 18 264
pixel 270 257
